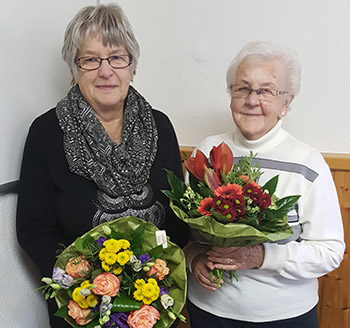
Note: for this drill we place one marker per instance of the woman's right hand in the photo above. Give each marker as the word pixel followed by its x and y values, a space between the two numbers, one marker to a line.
pixel 200 270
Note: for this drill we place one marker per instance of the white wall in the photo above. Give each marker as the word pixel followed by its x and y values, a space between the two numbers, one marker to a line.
pixel 186 46
pixel 20 306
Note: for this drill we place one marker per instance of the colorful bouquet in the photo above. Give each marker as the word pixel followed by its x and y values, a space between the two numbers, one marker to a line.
pixel 225 203
pixel 119 275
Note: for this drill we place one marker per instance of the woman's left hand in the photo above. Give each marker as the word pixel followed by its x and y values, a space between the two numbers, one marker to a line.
pixel 236 258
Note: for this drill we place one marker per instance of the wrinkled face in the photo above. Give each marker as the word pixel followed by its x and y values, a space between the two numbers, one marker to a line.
pixel 104 88
pixel 255 117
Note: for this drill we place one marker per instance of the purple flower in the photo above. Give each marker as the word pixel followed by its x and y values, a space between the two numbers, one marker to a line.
pixel 100 241
pixel 118 319
pixel 163 290
pixel 144 258
pixel 64 279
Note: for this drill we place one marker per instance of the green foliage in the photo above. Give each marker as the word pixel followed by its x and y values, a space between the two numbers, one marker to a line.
pixel 244 166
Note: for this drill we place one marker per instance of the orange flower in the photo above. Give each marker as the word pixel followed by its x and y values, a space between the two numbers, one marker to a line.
pixel 106 284
pixel 76 267
pixel 78 314
pixel 228 191
pixel 160 269
pixel 145 317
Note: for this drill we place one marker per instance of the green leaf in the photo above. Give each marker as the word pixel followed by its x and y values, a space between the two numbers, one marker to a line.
pixel 218 216
pixel 125 304
pixel 79 244
pixel 116 234
pixel 156 252
pixel 93 324
pixel 285 204
pixel 271 185
pixel 177 186
pixel 62 312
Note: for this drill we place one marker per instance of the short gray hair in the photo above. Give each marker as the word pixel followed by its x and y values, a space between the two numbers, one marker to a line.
pixel 265 51
pixel 110 21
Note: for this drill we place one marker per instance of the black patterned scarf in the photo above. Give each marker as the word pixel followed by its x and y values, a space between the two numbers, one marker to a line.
pixel 116 169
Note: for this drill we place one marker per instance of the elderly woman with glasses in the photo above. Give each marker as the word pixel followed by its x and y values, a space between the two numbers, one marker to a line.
pixel 277 282
pixel 101 153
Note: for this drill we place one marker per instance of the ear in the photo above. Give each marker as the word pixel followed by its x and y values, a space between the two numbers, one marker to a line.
pixel 284 109
pixel 288 101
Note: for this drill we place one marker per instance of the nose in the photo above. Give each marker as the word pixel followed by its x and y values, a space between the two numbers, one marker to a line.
pixel 253 98
pixel 105 69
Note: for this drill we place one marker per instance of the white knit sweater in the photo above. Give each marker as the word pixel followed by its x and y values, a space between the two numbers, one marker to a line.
pixel 286 284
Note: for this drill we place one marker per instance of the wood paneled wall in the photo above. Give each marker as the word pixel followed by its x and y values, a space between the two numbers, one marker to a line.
pixel 334 288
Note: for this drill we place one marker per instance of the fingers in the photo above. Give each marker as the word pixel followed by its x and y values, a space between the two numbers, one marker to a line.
pixel 204 281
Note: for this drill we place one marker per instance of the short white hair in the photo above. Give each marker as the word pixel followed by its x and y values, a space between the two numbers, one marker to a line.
pixel 266 51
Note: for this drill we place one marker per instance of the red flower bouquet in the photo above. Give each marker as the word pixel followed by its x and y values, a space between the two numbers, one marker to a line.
pixel 225 203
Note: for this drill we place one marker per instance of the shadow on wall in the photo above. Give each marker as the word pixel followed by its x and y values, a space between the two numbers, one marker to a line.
pixel 21 305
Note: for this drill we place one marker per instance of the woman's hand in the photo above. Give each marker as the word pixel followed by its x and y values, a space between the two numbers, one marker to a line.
pixel 200 270
pixel 236 258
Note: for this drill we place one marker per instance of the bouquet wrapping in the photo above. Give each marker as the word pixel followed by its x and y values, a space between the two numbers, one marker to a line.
pixel 225 204
pixel 119 275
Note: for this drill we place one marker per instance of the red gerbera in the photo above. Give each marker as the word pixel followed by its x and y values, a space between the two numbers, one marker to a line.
pixel 206 205
pixel 229 191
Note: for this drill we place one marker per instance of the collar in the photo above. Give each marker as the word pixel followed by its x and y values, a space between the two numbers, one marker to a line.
pixel 268 141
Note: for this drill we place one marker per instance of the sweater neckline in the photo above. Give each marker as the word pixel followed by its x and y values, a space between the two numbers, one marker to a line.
pixel 268 141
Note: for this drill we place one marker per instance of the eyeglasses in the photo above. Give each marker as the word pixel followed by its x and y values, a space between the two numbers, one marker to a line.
pixel 92 63
pixel 266 94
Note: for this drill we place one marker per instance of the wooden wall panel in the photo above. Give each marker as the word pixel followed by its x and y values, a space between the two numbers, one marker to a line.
pixel 334 288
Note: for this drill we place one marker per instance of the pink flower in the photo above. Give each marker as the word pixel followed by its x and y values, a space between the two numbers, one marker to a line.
pixel 160 269
pixel 106 284
pixel 221 159
pixel 78 314
pixel 145 317
pixel 77 267
pixel 206 205
pixel 197 164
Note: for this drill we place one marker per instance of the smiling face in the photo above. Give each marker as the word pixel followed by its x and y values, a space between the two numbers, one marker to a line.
pixel 253 117
pixel 105 88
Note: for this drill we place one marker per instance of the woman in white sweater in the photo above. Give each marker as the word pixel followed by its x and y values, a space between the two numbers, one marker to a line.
pixel 277 282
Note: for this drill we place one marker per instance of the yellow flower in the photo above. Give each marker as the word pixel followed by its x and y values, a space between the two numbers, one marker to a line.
pixel 124 243
pixel 138 295
pixel 154 296
pixel 85 284
pixel 123 258
pixel 105 266
pixel 148 290
pixel 92 300
pixel 83 304
pixel 139 283
pixel 147 300
pixel 102 254
pixel 111 245
pixel 76 295
pixel 117 270
pixel 110 258
pixel 152 281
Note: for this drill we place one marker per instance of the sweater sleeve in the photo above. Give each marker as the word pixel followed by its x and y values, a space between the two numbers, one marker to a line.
pixel 170 159
pixel 322 246
pixel 37 230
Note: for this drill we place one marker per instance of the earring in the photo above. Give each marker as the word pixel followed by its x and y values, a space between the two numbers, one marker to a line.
pixel 282 113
